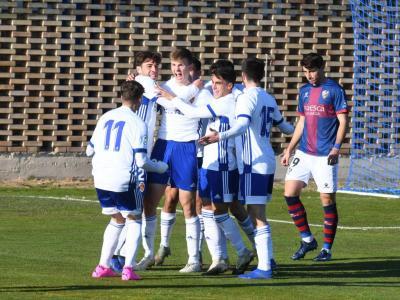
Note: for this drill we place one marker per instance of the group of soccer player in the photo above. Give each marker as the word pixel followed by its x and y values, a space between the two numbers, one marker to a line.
pixel 212 155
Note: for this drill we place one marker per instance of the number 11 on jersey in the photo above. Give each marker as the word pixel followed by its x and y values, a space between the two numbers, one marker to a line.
pixel 119 126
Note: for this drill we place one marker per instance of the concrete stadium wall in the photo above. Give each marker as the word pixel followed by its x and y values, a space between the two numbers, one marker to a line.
pixel 64 166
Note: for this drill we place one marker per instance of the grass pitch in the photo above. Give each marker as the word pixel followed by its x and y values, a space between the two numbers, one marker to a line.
pixel 49 247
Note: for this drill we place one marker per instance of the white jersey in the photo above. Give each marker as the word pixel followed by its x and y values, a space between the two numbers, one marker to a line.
pixel 118 135
pixel 148 108
pixel 174 125
pixel 218 156
pixel 221 156
pixel 202 98
pixel 253 148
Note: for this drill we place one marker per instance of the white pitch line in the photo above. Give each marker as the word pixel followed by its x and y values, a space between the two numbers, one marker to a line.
pixel 180 211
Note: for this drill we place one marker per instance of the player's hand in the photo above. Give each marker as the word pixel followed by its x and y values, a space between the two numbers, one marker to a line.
pixel 210 138
pixel 285 157
pixel 333 157
pixel 198 83
pixel 131 76
pixel 164 93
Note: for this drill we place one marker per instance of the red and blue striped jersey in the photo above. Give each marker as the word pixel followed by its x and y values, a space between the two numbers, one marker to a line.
pixel 319 105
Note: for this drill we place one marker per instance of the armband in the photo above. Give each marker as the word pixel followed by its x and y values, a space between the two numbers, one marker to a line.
pixel 337 146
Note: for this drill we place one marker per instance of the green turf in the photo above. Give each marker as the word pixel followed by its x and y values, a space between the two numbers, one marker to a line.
pixel 49 247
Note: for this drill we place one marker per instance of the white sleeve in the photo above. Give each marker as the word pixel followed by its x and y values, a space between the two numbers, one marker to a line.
pixel 93 140
pixel 192 111
pixel 284 126
pixel 277 120
pixel 237 129
pixel 144 162
pixel 89 149
pixel 139 140
pixel 167 104
pixel 245 106
pixel 193 91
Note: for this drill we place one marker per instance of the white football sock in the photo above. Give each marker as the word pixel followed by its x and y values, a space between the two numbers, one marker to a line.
pixel 149 227
pixel 121 242
pixel 212 234
pixel 110 240
pixel 201 238
pixel 222 244
pixel 167 222
pixel 133 235
pixel 231 231
pixel 192 239
pixel 270 245
pixel 262 237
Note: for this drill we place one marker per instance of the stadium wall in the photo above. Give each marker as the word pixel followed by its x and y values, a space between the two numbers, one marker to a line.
pixel 73 166
pixel 61 61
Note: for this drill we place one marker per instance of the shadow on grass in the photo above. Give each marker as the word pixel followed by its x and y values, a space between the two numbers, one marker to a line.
pixel 373 270
pixel 344 268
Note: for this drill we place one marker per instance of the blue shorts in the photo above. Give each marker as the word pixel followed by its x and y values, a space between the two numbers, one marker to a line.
pixel 182 162
pixel 256 188
pixel 219 186
pixel 126 203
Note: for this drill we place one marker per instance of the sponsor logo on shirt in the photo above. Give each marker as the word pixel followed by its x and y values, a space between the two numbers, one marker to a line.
pixel 319 110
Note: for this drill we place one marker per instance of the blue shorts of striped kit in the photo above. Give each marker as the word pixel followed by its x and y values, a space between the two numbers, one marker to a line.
pixel 126 203
pixel 182 162
pixel 256 188
pixel 219 186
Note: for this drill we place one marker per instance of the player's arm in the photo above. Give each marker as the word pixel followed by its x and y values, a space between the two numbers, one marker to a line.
pixel 285 127
pixel 298 131
pixel 187 109
pixel 139 147
pixel 245 106
pixel 333 156
pixel 89 149
pixel 93 139
pixel 242 123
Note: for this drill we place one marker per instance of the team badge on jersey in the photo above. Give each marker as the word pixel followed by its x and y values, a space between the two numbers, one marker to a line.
pixel 325 94
pixel 144 140
pixel 141 186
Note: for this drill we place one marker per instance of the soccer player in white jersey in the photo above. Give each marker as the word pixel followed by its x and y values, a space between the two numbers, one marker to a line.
pixel 119 146
pixel 171 197
pixel 255 112
pixel 176 146
pixel 146 64
pixel 218 175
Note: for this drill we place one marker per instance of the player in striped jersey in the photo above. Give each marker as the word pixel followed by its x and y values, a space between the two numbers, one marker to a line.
pixel 146 64
pixel 119 146
pixel 256 112
pixel 218 175
pixel 319 132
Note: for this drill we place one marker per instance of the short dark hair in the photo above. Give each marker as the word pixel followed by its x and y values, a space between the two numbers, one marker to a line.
pixel 196 64
pixel 182 53
pixel 254 69
pixel 312 61
pixel 142 56
pixel 224 69
pixel 131 90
